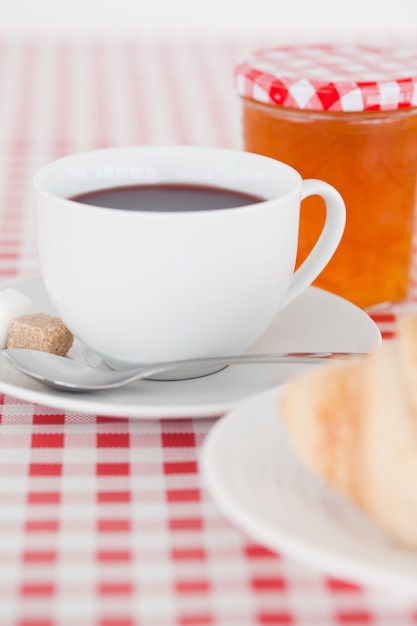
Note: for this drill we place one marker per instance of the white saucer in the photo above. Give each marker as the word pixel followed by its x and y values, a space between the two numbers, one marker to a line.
pixel 316 321
pixel 254 476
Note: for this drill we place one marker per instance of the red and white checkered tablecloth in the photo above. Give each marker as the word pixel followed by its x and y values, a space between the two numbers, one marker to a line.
pixel 104 521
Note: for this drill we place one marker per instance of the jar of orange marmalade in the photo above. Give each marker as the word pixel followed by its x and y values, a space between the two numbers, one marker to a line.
pixel 346 114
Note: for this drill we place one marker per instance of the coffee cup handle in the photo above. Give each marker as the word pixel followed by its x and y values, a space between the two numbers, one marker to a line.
pixel 328 240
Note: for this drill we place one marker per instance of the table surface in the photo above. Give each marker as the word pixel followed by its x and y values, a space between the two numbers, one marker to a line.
pixel 105 521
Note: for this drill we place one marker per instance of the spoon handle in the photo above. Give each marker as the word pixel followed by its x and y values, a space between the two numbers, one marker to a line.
pixel 218 362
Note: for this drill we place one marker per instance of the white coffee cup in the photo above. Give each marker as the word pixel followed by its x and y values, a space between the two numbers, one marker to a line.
pixel 142 286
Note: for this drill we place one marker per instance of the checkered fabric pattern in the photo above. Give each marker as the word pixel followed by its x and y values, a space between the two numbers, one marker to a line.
pixel 104 521
pixel 330 77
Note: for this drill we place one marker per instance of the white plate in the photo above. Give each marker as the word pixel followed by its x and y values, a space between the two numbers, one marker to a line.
pixel 316 321
pixel 253 474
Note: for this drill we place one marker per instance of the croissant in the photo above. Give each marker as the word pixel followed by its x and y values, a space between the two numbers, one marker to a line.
pixel 354 423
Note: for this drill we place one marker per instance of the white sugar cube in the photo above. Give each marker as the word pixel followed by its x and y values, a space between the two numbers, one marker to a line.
pixel 12 304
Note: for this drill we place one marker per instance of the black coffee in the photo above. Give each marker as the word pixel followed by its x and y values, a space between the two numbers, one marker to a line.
pixel 167 197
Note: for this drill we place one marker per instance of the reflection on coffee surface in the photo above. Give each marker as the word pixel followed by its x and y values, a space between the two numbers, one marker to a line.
pixel 167 197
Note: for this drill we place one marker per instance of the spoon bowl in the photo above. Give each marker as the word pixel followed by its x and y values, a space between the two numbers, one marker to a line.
pixel 70 375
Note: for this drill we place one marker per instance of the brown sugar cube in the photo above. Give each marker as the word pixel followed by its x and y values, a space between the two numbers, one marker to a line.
pixel 39 331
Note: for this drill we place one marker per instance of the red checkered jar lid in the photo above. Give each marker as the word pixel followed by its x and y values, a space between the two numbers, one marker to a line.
pixel 330 77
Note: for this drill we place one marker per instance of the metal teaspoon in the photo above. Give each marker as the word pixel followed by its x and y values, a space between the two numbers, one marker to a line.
pixel 69 375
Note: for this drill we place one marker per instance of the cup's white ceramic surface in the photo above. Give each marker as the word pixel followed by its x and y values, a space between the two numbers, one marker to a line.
pixel 138 286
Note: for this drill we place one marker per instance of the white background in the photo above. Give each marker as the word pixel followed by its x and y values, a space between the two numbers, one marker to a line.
pixel 376 21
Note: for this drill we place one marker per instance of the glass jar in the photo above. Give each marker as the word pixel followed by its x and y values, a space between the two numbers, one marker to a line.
pixel 303 107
